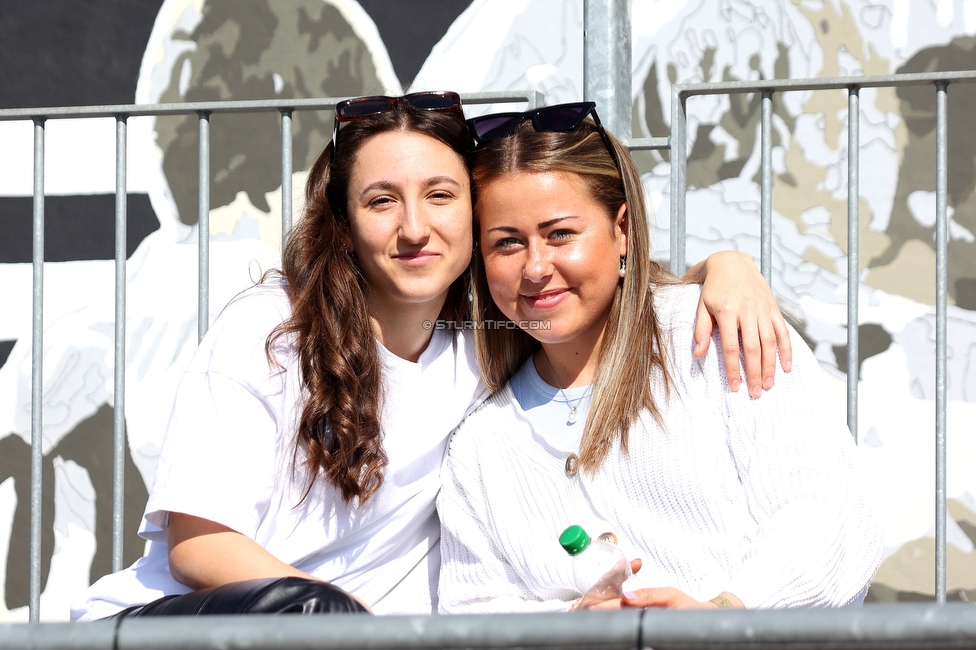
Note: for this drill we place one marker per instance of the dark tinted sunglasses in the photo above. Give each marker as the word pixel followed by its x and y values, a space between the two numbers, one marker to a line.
pixel 360 107
pixel 561 117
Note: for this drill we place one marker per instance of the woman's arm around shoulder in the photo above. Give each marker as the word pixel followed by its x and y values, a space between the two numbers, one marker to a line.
pixel 818 534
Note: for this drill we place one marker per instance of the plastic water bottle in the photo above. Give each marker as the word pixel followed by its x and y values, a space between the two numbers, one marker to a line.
pixel 599 568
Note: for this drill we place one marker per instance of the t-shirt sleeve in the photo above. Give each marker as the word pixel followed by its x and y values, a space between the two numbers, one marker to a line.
pixel 218 459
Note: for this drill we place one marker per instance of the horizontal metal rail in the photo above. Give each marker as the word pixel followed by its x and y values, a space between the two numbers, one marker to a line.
pixel 532 97
pixel 901 626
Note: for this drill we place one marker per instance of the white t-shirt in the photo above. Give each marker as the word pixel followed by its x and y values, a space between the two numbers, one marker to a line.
pixel 228 456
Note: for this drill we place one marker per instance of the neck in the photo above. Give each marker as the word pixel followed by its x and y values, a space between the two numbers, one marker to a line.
pixel 569 364
pixel 402 328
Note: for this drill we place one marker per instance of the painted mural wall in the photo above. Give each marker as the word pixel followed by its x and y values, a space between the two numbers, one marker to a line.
pixel 184 50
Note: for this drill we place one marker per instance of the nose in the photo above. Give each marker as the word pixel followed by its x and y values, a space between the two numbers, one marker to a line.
pixel 414 224
pixel 538 266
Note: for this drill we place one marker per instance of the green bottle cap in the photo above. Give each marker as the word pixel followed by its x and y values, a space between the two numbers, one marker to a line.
pixel 574 539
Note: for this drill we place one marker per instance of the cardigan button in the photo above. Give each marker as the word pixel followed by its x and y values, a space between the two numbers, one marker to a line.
pixel 572 465
pixel 609 538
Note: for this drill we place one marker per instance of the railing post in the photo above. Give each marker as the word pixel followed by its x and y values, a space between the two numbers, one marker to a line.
pixel 37 375
pixel 853 250
pixel 679 181
pixel 766 188
pixel 941 291
pixel 286 172
pixel 203 227
pixel 118 423
pixel 606 62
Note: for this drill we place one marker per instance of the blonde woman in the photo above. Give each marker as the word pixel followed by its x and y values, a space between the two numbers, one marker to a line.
pixel 600 417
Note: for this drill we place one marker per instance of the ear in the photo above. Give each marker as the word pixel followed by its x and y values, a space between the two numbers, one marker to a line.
pixel 621 226
pixel 345 238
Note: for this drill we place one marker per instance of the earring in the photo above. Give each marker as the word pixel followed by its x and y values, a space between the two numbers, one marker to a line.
pixel 623 266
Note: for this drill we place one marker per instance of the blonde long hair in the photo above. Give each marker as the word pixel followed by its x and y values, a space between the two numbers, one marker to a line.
pixel 631 349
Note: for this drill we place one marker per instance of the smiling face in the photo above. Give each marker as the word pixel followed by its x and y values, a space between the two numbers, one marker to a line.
pixel 552 253
pixel 409 207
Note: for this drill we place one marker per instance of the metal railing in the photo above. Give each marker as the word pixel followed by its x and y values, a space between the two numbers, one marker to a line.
pixel 872 626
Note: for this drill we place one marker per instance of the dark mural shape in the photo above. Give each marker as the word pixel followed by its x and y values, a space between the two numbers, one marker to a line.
pixel 5 349
pixel 313 52
pixel 872 339
pixel 65 52
pixel 411 29
pixel 918 109
pixel 75 227
pixel 90 446
pixel 239 50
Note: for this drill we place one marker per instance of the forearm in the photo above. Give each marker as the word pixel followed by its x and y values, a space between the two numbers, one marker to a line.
pixel 205 554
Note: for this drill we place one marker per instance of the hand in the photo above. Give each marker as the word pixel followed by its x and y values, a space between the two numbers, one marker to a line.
pixel 671 598
pixel 736 297
pixel 613 603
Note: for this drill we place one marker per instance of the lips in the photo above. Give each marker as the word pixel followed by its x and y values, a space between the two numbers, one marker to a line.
pixel 417 258
pixel 545 299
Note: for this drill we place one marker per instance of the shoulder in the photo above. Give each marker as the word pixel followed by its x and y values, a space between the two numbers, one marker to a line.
pixel 676 305
pixel 261 304
pixel 240 333
pixel 487 425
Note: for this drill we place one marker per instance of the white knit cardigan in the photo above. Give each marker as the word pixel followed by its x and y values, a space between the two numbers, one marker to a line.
pixel 762 498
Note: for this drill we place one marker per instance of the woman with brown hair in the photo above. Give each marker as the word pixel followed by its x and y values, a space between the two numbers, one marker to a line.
pixel 303 456
pixel 599 416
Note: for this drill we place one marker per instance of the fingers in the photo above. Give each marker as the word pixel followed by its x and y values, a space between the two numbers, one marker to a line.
pixel 651 597
pixel 635 565
pixel 703 329
pixel 783 340
pixel 767 341
pixel 728 329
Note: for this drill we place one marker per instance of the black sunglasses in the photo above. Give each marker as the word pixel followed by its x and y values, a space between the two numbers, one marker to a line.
pixel 350 110
pixel 561 117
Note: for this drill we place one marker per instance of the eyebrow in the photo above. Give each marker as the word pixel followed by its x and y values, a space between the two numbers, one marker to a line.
pixel 541 226
pixel 430 182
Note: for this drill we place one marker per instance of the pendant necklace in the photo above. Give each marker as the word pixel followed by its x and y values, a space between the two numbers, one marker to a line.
pixel 572 407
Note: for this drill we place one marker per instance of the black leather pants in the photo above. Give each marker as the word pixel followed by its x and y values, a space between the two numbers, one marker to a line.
pixel 264 596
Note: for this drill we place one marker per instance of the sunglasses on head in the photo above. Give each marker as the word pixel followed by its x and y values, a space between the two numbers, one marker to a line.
pixel 561 117
pixel 351 110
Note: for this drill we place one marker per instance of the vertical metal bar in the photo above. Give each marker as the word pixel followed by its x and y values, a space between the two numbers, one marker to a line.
pixel 941 291
pixel 607 76
pixel 118 423
pixel 766 198
pixel 37 377
pixel 203 228
pixel 286 172
pixel 853 250
pixel 679 181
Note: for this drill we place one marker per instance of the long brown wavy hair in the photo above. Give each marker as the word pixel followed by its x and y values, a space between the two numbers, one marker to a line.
pixel 341 374
pixel 630 352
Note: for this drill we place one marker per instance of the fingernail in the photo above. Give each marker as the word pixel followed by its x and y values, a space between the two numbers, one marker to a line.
pixel 630 595
pixel 734 385
pixel 789 366
pixel 768 383
pixel 697 347
pixel 755 391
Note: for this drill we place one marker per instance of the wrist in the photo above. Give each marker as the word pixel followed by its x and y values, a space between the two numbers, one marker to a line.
pixel 725 600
